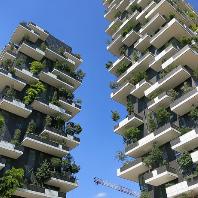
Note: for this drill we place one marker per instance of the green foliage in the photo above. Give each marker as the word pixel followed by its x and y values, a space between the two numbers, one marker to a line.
pixel 19 62
pixel 130 107
pixel 31 127
pixel 185 162
pixel 2 123
pixel 137 77
pixel 115 116
pixel 16 137
pixel 162 115
pixel 145 194
pixel 54 99
pixel 48 121
pixel 11 180
pixel 59 122
pixel 33 92
pixel 68 95
pixel 62 66
pixel 134 7
pixel 43 173
pixel 135 56
pixel 108 64
pixel 10 93
pixel 123 50
pixel 186 88
pixel 152 125
pixel 167 70
pixel 192 15
pixel 155 94
pixel 73 129
pixel 186 41
pixel 194 27
pixel 118 14
pixel 55 163
pixel 184 130
pixel 120 156
pixel 172 93
pixel 75 168
pixel 127 29
pixel 194 113
pixel 154 158
pixel 113 85
pixel 131 135
pixel 43 46
pixel 36 67
pixel 122 68
pixel 61 51
pixel 195 74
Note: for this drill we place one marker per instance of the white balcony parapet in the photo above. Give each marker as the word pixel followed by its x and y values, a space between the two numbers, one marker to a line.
pixel 42 33
pixel 184 104
pixel 160 176
pixel 153 25
pixel 143 43
pixel 132 170
pixel 40 144
pixel 31 51
pixel 139 88
pixel 59 136
pixel 173 29
pixel 163 100
pixel 141 65
pixel 163 56
pixel 122 60
pixel 131 38
pixel 185 56
pixel 14 106
pixel 186 142
pixel 161 136
pixel 22 30
pixel 54 81
pixel 171 80
pixel 50 109
pixel 132 120
pixel 26 75
pixel 10 150
pixel 65 186
pixel 121 94
pixel 7 79
pixel 141 17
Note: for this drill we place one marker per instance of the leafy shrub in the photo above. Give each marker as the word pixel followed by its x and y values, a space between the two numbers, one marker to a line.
pixel 36 67
pixel 131 135
pixel 186 88
pixel 162 115
pixel 115 116
pixel 31 127
pixel 130 107
pixel 122 68
pixel 16 138
pixel 137 77
pixel 185 162
pixel 152 125
pixel 109 64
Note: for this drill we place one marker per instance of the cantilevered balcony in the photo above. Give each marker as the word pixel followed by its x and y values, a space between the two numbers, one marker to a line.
pixel 31 51
pixel 164 55
pixel 54 56
pixel 131 38
pixel 126 23
pixel 161 176
pixel 173 29
pixel 40 144
pixel 153 25
pixel 143 43
pixel 72 108
pixel 132 170
pixel 186 142
pixel 15 106
pixel 170 81
pixel 54 80
pixel 2 163
pixel 141 65
pixel 50 109
pixel 132 120
pixel 42 33
pixel 161 136
pixel 59 136
pixel 26 75
pixel 186 56
pixel 113 26
pixel 115 45
pixel 67 78
pixel 120 61
pixel 121 94
pixel 194 156
pixel 7 79
pixel 31 191
pixel 23 30
pixel 141 17
pixel 73 58
pixel 7 55
pixel 122 5
pixel 163 100
pixel 10 150
pixel 184 104
pixel 110 15
pixel 64 183
pixel 138 89
pixel 143 3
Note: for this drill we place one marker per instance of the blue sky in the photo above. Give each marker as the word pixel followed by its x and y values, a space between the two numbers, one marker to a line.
pixel 80 23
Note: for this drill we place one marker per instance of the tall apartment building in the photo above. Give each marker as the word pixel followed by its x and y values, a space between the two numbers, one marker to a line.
pixel 38 77
pixel 156 71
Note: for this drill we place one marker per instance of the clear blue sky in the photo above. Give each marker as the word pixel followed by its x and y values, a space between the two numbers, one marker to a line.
pixel 80 23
